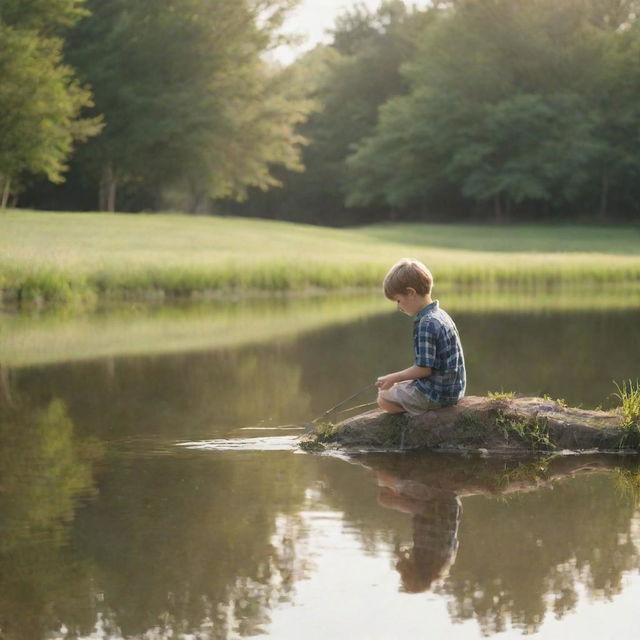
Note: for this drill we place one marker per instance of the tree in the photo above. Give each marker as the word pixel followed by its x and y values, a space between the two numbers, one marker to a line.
pixel 502 109
pixel 401 164
pixel 188 102
pixel 612 14
pixel 44 16
pixel 40 100
pixel 616 113
pixel 349 80
pixel 529 147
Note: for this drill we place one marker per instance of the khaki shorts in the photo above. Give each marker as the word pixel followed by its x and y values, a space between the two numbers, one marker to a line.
pixel 409 398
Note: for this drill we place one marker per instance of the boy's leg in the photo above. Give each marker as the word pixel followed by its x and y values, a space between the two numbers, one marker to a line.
pixel 387 405
pixel 404 397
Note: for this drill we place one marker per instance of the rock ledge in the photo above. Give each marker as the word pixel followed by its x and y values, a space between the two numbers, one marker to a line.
pixel 483 425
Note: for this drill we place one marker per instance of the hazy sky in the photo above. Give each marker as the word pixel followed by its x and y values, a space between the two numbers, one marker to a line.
pixel 313 17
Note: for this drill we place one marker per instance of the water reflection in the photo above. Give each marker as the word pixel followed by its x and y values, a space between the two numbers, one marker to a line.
pixel 558 532
pixel 435 523
pixel 45 471
pixel 182 541
pixel 209 394
pixel 130 329
pixel 108 528
pixel 218 543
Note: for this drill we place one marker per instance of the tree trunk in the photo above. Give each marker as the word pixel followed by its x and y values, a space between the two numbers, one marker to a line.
pixel 498 217
pixel 508 208
pixel 604 197
pixel 102 202
pixel 108 189
pixel 5 193
pixel 196 201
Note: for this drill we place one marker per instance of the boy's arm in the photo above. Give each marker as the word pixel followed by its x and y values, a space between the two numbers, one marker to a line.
pixel 412 373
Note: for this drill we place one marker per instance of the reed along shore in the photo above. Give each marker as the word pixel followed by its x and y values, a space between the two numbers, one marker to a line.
pixel 58 258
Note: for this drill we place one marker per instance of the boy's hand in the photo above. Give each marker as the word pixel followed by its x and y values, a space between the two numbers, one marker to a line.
pixel 385 382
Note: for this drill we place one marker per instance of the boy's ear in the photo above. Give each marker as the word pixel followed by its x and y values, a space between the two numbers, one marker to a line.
pixel 410 291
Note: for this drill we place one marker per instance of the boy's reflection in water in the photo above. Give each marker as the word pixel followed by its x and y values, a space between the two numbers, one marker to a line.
pixel 436 516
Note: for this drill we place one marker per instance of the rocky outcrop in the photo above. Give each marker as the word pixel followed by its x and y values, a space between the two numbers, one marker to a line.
pixel 492 425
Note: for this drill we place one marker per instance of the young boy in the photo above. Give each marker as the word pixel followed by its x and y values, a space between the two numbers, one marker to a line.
pixel 437 377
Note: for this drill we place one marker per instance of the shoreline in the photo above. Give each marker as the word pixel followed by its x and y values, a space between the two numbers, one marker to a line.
pixel 58 259
pixel 482 296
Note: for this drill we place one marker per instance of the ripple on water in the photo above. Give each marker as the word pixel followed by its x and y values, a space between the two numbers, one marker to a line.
pixel 270 443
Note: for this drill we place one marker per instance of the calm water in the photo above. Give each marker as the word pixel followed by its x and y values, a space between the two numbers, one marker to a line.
pixel 123 516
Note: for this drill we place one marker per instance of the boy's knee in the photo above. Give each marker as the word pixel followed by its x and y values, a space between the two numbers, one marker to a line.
pixel 388 406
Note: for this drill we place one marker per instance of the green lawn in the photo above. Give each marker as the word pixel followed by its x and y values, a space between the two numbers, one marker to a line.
pixel 623 240
pixel 60 257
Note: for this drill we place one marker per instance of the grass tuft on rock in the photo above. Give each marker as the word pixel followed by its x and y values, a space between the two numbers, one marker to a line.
pixel 533 432
pixel 323 433
pixel 629 396
pixel 502 395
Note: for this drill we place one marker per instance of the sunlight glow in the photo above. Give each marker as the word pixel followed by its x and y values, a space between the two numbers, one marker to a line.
pixel 312 20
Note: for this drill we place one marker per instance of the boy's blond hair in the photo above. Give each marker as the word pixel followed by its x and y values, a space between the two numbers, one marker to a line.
pixel 407 273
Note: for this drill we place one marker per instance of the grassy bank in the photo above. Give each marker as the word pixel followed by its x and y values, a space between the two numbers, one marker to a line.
pixel 59 258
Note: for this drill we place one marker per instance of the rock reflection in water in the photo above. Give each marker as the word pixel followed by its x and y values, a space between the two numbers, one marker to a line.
pixel 508 560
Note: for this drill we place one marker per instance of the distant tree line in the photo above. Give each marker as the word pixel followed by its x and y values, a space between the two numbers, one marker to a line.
pixel 470 109
pixel 476 109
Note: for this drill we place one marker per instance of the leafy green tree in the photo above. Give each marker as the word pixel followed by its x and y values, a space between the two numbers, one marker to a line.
pixel 340 77
pixel 504 109
pixel 44 16
pixel 616 114
pixel 188 102
pixel 40 100
pixel 529 147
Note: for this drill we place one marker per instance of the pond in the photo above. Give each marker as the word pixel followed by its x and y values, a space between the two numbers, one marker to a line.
pixel 150 487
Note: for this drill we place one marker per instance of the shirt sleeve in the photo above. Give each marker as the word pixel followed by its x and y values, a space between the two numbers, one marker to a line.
pixel 425 345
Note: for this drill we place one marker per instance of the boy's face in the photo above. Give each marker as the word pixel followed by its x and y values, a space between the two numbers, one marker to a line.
pixel 409 302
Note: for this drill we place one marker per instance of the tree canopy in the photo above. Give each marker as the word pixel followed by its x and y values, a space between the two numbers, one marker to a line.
pixel 187 99
pixel 349 80
pixel 484 109
pixel 190 108
pixel 508 106
pixel 40 99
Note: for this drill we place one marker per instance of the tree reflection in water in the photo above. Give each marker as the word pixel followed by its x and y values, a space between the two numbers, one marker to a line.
pixel 523 547
pixel 186 540
pixel 206 543
pixel 44 471
pixel 198 543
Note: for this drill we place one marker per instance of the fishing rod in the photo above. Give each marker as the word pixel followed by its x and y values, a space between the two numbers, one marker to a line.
pixel 340 404
pixel 311 425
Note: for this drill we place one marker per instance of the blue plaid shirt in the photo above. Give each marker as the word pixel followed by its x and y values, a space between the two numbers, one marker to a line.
pixel 437 345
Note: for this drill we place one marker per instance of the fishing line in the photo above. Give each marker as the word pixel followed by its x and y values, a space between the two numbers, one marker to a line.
pixel 359 406
pixel 340 404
